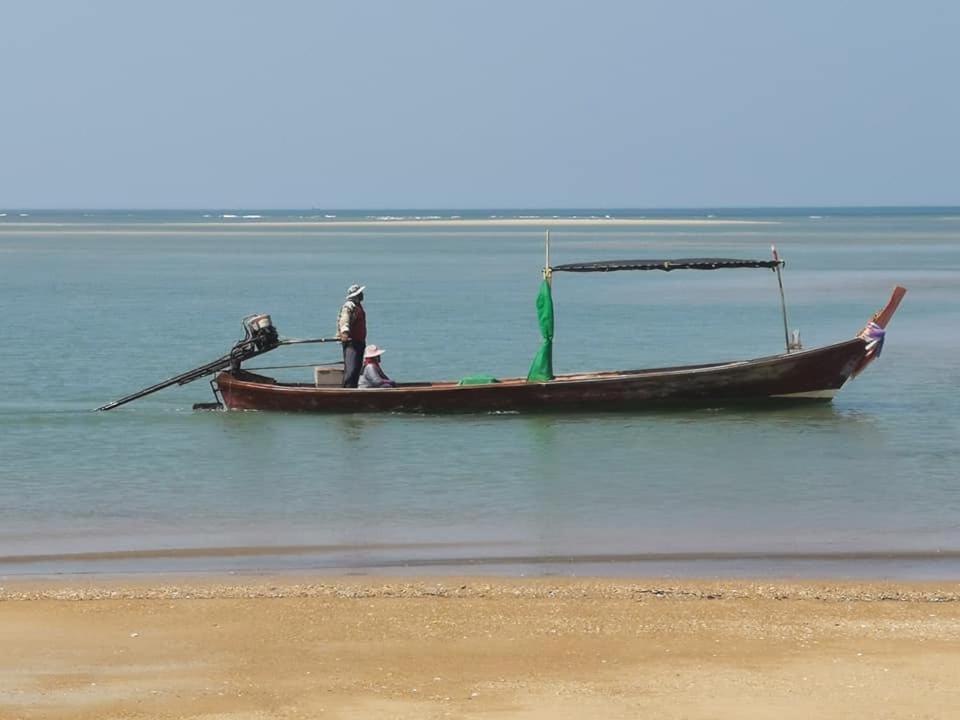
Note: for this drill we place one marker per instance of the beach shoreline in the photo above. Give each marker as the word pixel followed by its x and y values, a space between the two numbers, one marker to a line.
pixel 241 585
pixel 486 559
pixel 241 647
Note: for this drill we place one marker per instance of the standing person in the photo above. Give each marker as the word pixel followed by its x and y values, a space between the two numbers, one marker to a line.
pixel 352 331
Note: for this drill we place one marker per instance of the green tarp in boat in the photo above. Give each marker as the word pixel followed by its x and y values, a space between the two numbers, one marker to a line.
pixel 478 380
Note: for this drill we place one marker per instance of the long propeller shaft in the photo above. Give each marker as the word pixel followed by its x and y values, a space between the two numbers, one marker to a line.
pixel 242 351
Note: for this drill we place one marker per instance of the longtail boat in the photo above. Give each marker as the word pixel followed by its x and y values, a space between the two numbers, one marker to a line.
pixel 796 375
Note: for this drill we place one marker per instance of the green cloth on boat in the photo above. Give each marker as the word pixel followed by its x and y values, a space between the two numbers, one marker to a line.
pixel 478 380
pixel 541 369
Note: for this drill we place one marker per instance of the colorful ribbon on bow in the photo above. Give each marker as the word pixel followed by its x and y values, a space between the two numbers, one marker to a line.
pixel 874 335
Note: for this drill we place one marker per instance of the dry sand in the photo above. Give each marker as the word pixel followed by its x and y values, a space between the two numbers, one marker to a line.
pixel 478 648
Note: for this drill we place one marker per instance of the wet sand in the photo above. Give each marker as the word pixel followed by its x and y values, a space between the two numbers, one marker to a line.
pixel 251 647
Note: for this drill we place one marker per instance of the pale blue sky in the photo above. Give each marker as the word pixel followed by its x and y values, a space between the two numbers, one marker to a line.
pixel 371 103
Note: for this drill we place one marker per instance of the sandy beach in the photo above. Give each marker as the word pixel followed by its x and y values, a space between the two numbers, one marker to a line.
pixel 251 647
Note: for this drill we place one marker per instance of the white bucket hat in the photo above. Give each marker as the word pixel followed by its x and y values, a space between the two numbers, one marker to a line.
pixel 355 290
pixel 372 351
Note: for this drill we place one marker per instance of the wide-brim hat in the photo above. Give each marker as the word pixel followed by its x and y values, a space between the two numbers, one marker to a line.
pixel 372 351
pixel 355 290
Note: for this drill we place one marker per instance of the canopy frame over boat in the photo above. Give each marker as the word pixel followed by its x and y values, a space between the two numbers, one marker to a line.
pixel 794 375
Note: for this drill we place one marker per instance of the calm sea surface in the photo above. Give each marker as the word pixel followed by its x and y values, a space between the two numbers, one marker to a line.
pixel 96 305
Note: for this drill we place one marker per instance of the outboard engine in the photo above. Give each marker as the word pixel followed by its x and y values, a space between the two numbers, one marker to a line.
pixel 260 331
pixel 259 336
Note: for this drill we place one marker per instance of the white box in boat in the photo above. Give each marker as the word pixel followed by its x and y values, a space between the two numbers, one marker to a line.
pixel 326 376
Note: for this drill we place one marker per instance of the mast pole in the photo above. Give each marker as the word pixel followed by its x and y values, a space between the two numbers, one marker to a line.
pixel 547 270
pixel 783 301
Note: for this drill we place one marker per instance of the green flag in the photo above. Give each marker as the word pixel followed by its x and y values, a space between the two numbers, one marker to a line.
pixel 541 369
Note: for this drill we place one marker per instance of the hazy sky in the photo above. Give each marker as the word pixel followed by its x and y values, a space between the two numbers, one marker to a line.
pixel 543 103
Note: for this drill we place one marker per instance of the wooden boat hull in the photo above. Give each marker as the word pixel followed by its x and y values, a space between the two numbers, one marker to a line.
pixel 806 375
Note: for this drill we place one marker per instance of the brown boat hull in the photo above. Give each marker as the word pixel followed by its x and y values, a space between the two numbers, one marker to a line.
pixel 800 376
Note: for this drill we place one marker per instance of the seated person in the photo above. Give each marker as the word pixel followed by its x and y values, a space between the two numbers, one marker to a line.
pixel 373 375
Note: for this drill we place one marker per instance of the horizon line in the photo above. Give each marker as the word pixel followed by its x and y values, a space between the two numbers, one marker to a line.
pixel 651 208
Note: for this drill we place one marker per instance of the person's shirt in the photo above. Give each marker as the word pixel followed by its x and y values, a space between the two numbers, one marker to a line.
pixel 374 377
pixel 352 322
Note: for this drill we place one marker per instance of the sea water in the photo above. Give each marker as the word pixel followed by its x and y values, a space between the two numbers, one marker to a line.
pixel 100 304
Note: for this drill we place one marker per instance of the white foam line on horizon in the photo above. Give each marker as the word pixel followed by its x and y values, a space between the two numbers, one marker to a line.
pixel 410 223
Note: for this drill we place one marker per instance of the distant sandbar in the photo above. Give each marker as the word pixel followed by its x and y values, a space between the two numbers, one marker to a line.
pixel 388 223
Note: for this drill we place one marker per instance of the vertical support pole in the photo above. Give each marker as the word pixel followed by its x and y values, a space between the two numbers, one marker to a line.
pixel 547 248
pixel 783 301
pixel 547 270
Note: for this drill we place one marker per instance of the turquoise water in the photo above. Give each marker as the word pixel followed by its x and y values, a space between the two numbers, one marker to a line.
pixel 99 304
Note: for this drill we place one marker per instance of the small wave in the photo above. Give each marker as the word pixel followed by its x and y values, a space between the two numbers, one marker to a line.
pixel 228 216
pixel 252 217
pixel 3 214
pixel 24 214
pixel 330 216
pixel 816 217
